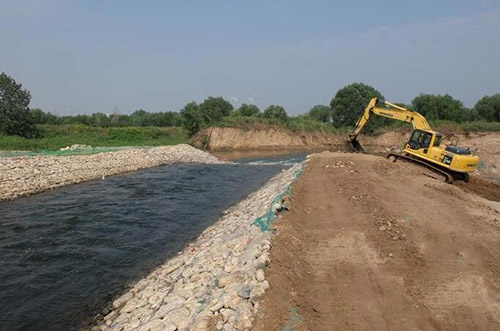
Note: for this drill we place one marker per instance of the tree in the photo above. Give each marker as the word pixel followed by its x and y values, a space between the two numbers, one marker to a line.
pixel 248 110
pixel 171 118
pixel 276 112
pixel 100 119
pixel 192 117
pixel 38 116
pixel 350 102
pixel 320 113
pixel 15 117
pixel 440 107
pixel 488 108
pixel 138 117
pixel 214 109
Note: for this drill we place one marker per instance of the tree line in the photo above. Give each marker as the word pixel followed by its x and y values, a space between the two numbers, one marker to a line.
pixel 348 103
pixel 137 118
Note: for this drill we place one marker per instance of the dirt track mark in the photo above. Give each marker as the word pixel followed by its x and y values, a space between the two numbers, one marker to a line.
pixel 373 245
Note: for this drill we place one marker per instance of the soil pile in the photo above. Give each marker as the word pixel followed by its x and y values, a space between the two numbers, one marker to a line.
pixel 374 245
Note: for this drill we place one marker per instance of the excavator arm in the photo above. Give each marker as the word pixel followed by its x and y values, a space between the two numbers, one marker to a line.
pixel 390 110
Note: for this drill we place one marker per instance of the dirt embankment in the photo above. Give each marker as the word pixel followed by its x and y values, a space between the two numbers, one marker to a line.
pixel 275 138
pixel 270 138
pixel 374 245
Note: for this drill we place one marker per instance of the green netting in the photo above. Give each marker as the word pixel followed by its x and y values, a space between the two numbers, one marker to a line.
pixel 294 320
pixel 266 221
pixel 82 151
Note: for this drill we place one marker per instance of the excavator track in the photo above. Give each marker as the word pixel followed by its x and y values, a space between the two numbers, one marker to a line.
pixel 448 178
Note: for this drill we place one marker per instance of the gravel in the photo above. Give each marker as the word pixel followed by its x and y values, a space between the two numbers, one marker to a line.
pixel 21 176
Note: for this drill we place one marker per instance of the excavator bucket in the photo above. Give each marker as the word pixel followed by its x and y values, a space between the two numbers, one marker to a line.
pixel 353 145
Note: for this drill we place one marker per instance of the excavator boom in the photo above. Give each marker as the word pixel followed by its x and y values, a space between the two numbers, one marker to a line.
pixel 390 110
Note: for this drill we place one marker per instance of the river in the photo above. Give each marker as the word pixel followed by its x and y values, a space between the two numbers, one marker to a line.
pixel 65 254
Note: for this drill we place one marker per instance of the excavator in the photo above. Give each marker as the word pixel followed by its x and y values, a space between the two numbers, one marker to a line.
pixel 425 146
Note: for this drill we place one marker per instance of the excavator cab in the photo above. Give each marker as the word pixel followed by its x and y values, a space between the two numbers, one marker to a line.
pixel 420 139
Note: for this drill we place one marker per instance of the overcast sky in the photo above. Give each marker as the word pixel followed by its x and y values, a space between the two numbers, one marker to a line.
pixel 99 56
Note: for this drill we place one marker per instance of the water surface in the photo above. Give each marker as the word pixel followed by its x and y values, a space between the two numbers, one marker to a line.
pixel 65 254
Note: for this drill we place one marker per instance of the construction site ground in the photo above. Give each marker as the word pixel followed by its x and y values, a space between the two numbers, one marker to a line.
pixel 373 245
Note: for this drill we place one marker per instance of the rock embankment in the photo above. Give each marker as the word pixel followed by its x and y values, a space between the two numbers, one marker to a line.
pixel 215 283
pixel 21 176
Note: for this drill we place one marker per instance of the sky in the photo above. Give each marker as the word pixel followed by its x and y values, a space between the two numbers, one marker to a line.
pixel 81 57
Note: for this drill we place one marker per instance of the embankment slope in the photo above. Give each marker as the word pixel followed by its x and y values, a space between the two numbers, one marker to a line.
pixel 374 245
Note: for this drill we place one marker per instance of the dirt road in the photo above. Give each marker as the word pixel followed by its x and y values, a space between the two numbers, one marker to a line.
pixel 374 245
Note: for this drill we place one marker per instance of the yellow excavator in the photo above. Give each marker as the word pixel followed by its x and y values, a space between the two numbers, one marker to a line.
pixel 424 147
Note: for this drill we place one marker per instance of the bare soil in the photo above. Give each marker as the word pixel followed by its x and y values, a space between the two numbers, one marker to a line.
pixel 267 139
pixel 374 245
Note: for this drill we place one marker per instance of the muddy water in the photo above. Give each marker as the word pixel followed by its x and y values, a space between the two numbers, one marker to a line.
pixel 65 254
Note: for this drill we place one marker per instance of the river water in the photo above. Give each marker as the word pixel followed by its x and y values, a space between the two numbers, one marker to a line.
pixel 65 254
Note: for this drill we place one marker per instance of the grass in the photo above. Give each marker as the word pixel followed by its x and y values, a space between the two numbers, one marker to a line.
pixel 481 126
pixel 53 137
pixel 448 127
pixel 305 124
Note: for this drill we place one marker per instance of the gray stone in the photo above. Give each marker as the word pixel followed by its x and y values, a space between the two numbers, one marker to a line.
pixel 244 290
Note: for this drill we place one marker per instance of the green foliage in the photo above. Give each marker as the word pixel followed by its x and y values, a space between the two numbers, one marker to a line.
pixel 445 126
pixel 138 118
pixel 350 102
pixel 298 124
pixel 192 118
pixel 38 116
pixel 100 119
pixel 214 109
pixel 320 113
pixel 481 126
pixel 15 117
pixel 488 108
pixel 248 110
pixel 441 107
pixel 309 124
pixel 276 112
pixel 53 137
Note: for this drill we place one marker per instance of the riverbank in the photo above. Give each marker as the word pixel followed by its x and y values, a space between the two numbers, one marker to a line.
pixel 234 140
pixel 214 283
pixel 278 138
pixel 20 176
